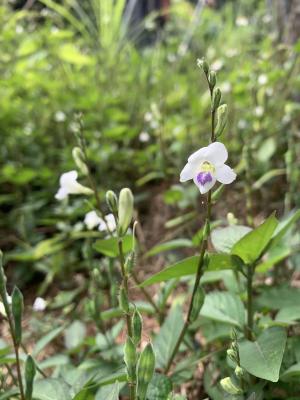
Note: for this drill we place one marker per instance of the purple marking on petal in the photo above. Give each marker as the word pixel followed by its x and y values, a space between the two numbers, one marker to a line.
pixel 204 177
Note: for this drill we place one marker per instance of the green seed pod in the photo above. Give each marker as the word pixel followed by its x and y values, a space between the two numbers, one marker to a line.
pixel 79 160
pixel 239 372
pixel 230 387
pixel 2 278
pixel 197 303
pixel 112 201
pixel 130 262
pixel 137 327
pixel 145 370
pixel 30 371
pixel 202 63
pixel 216 98
pixel 130 359
pixel 232 355
pixel 125 210
pixel 222 117
pixel 123 301
pixel 212 79
pixel 17 311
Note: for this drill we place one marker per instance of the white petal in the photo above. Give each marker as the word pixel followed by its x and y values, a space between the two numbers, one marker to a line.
pixel 216 153
pixel 188 172
pixel 92 220
pixel 102 226
pixel 225 174
pixel 205 188
pixel 68 178
pixel 111 222
pixel 199 155
pixel 61 194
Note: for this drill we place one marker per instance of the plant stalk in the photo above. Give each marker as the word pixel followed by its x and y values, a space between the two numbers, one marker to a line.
pixel 250 273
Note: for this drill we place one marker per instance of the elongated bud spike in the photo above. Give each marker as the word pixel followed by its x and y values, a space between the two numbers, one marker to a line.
pixel 130 359
pixel 30 370
pixel 17 311
pixel 197 303
pixel 123 301
pixel 125 210
pixel 130 262
pixel 137 327
pixel 216 98
pixel 232 355
pixel 112 201
pixel 222 117
pixel 202 63
pixel 212 79
pixel 230 387
pixel 79 160
pixel 145 371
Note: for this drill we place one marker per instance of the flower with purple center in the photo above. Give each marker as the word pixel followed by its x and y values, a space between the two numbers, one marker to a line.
pixel 207 166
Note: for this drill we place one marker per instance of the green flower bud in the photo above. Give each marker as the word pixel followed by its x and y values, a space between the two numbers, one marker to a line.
pixel 212 79
pixel 239 372
pixel 230 387
pixel 17 311
pixel 222 117
pixel 130 262
pixel 197 303
pixel 216 98
pixel 125 210
pixel 30 370
pixel 137 326
pixel 232 355
pixel 112 201
pixel 145 371
pixel 123 301
pixel 79 160
pixel 202 63
pixel 130 359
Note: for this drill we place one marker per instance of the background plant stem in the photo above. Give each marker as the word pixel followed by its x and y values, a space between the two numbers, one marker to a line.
pixel 250 273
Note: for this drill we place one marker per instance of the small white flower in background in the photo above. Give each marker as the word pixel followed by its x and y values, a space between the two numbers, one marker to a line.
pixel 69 185
pixel 242 21
pixel 148 116
pixel 242 124
pixel 39 304
pixel 8 298
pixel 259 111
pixel 110 222
pixel 60 116
pixel 262 79
pixel 207 166
pixel 217 65
pixel 92 220
pixel 144 137
pixel 225 87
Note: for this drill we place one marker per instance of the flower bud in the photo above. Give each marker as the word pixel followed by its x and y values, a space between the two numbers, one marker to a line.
pixel 17 311
pixel 216 98
pixel 130 262
pixel 137 326
pixel 130 359
pixel 239 372
pixel 30 370
pixel 212 79
pixel 145 371
pixel 202 63
pixel 123 301
pixel 197 303
pixel 230 387
pixel 112 201
pixel 222 116
pixel 232 355
pixel 125 210
pixel 79 160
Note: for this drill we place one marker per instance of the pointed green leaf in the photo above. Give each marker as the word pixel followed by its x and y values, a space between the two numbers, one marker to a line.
pixel 223 239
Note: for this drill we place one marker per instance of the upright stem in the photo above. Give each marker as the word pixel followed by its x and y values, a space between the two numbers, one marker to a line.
pixel 250 273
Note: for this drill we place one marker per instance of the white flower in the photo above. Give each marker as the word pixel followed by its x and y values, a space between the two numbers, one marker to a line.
pixel 69 185
pixel 60 116
pixel 242 21
pixel 262 79
pixel 144 137
pixel 92 220
pixel 110 222
pixel 206 166
pixel 259 111
pixel 39 304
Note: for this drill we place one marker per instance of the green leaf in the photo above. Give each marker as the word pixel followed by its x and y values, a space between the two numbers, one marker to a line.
pixel 166 339
pixel 109 247
pixel 171 245
pixel 105 392
pixel 288 315
pixel 74 334
pixel 263 357
pixel 159 387
pixel 189 265
pixel 71 54
pixel 279 297
pixel 283 227
pixel 292 374
pixel 223 239
pixel 42 343
pixel 51 389
pixel 274 256
pixel 224 307
pixel 252 245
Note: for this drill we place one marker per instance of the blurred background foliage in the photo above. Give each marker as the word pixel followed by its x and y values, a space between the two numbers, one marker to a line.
pixel 145 108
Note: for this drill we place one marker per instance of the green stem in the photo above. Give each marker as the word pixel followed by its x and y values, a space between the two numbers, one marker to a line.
pixel 250 273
